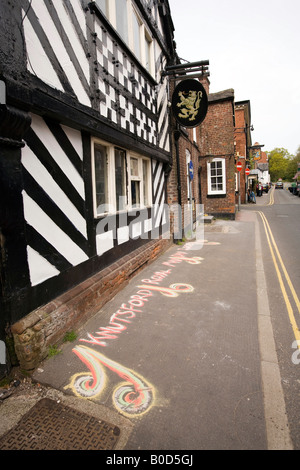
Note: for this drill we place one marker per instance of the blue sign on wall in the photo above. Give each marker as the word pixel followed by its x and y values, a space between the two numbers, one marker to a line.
pixel 191 170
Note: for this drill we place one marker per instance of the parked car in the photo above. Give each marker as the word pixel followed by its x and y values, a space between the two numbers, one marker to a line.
pixel 279 185
pixel 265 187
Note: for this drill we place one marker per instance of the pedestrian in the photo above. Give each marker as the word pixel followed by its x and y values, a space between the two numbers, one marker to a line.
pixel 253 199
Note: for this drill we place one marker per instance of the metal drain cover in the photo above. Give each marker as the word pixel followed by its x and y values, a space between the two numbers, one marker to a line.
pixel 53 426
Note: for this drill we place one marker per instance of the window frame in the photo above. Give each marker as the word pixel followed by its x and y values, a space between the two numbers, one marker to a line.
pixel 139 178
pixel 111 179
pixel 125 179
pixel 217 192
pixel 98 142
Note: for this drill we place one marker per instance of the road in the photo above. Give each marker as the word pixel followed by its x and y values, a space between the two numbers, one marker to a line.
pixel 279 220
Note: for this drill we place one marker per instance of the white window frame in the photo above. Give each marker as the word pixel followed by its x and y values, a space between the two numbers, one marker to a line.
pixel 210 190
pixel 111 205
pixel 110 182
pixel 140 178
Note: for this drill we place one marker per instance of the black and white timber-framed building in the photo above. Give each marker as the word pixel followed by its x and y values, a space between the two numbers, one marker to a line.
pixel 84 139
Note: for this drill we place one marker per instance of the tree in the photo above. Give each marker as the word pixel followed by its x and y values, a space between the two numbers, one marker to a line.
pixel 280 164
pixel 293 165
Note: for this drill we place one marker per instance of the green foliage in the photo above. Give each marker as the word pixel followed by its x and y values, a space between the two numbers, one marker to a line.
pixel 53 351
pixel 282 164
pixel 70 336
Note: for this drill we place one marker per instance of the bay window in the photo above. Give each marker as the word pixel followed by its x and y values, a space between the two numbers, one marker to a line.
pixel 121 179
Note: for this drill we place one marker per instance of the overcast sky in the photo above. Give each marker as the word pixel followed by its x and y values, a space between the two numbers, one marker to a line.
pixel 254 48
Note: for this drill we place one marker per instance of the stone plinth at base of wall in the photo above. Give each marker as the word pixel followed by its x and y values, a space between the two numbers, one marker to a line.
pixel 47 325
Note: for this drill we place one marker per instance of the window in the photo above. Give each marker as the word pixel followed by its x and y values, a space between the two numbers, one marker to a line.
pixel 148 53
pixel 102 5
pixel 136 36
pixel 146 182
pixel 140 182
pixel 101 172
pixel 142 42
pixel 122 19
pixel 216 177
pixel 148 59
pixel 135 182
pixel 117 13
pixel 121 179
pixel 126 20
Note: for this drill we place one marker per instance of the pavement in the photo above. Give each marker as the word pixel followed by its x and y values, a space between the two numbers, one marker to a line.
pixel 175 359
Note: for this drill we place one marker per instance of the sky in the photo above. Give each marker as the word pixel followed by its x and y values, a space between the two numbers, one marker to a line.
pixel 254 48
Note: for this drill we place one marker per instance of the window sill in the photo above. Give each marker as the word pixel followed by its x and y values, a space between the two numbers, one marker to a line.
pixel 128 211
pixel 215 196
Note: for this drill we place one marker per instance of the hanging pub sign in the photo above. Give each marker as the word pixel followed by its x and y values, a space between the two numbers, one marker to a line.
pixel 189 103
pixel 256 154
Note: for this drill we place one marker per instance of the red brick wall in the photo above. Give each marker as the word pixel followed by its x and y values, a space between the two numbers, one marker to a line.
pixel 241 150
pixel 185 142
pixel 216 137
pixel 264 158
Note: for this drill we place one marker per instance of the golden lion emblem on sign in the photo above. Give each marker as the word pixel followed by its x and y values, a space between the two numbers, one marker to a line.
pixel 189 104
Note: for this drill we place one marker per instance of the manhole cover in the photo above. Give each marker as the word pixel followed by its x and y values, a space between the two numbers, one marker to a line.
pixel 52 426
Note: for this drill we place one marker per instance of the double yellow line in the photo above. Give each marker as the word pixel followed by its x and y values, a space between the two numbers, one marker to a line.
pixel 278 262
pixel 271 201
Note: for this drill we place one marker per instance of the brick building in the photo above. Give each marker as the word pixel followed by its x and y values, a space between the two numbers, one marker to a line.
pixel 243 142
pixel 215 138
